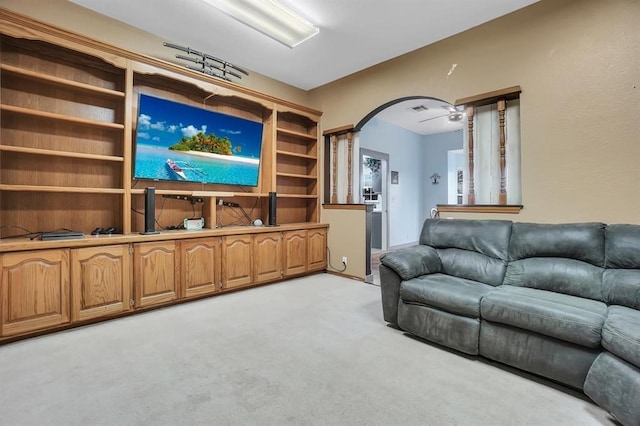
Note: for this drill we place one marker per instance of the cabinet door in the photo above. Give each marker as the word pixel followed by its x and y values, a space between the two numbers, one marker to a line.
pixel 267 257
pixel 295 252
pixel 155 273
pixel 200 266
pixel 100 281
pixel 317 249
pixel 35 290
pixel 237 261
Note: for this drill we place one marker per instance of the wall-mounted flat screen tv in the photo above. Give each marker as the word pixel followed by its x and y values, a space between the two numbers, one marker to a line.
pixel 179 142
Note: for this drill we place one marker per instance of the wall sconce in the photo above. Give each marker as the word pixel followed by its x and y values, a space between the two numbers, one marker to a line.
pixel 435 179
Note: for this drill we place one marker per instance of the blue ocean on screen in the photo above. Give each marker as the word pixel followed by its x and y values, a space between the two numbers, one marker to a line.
pixel 151 163
pixel 207 146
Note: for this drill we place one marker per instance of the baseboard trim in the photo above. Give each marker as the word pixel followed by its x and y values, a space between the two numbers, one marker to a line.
pixel 342 274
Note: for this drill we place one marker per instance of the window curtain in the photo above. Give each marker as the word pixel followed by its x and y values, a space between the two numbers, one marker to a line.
pixel 341 177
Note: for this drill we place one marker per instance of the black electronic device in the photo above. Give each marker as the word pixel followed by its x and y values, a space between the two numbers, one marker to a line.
pixel 273 201
pixel 60 235
pixel 150 211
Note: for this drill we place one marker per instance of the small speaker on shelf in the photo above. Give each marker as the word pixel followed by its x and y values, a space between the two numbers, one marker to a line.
pixel 150 211
pixel 273 201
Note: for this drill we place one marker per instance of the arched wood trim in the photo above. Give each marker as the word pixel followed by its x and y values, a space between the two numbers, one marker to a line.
pixel 386 105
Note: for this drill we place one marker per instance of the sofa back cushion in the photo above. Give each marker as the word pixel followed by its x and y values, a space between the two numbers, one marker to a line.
pixel 564 258
pixel 472 249
pixel 621 283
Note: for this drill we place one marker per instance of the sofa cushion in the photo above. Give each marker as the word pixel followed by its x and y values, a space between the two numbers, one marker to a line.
pixel 569 318
pixel 579 241
pixel 622 287
pixel 621 281
pixel 555 274
pixel 489 237
pixel 472 265
pixel 621 333
pixel 451 294
pixel 622 246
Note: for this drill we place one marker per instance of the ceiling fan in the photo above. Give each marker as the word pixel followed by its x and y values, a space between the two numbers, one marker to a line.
pixel 453 114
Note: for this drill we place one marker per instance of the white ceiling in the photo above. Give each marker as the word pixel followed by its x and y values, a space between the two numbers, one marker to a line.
pixel 354 34
pixel 421 116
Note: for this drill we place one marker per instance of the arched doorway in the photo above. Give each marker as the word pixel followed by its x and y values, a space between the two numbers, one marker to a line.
pixel 395 133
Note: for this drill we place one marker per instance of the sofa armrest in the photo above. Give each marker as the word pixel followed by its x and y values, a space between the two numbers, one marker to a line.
pixel 400 265
pixel 411 262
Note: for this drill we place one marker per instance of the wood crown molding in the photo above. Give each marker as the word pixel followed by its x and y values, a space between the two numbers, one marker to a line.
pixel 338 130
pixel 490 97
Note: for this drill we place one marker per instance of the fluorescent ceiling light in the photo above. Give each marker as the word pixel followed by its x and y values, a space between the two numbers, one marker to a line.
pixel 269 17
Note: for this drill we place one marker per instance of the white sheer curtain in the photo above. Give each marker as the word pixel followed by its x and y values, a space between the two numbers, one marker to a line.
pixel 486 154
pixel 342 173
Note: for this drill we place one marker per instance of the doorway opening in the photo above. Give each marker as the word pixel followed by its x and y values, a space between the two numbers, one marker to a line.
pixel 374 178
pixel 402 129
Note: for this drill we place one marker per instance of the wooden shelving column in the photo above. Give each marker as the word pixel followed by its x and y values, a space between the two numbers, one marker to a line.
pixel 297 166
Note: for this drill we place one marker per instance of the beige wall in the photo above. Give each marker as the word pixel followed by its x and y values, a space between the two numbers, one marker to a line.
pixel 78 19
pixel 578 64
pixel 346 238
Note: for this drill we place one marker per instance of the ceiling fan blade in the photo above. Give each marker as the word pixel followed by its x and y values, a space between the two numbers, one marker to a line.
pixel 433 118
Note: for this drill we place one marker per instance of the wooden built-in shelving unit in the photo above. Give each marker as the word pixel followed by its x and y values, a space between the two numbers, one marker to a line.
pixel 68 111
pixel 68 125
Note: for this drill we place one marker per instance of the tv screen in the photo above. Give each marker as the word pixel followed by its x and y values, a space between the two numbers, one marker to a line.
pixel 179 142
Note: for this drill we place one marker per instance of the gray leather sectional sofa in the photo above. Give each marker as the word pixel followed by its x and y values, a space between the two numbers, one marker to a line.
pixel 558 300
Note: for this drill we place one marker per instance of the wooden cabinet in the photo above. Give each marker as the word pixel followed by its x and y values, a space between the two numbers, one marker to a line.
pixel 316 249
pixel 156 273
pixel 267 257
pixel 237 261
pixel 100 281
pixel 44 289
pixel 295 252
pixel 200 266
pixel 35 290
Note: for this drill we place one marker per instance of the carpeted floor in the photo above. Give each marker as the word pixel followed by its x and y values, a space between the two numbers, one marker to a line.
pixel 310 351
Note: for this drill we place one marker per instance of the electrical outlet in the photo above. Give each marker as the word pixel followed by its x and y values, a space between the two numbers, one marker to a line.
pixel 344 260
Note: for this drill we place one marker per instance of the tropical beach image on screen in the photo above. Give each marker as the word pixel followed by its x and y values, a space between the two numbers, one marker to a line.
pixel 180 142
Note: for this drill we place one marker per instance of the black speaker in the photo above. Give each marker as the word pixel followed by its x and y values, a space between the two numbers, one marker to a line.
pixel 273 204
pixel 150 211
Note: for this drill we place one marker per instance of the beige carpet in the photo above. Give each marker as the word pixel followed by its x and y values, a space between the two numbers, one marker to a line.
pixel 311 351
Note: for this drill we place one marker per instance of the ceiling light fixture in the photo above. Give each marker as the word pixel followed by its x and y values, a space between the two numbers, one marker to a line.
pixel 269 17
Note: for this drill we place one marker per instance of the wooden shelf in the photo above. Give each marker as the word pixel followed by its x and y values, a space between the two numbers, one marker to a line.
pixel 295 154
pixel 297 176
pixel 71 189
pixel 61 81
pixel 297 134
pixel 187 193
pixel 301 196
pixel 55 153
pixel 61 117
